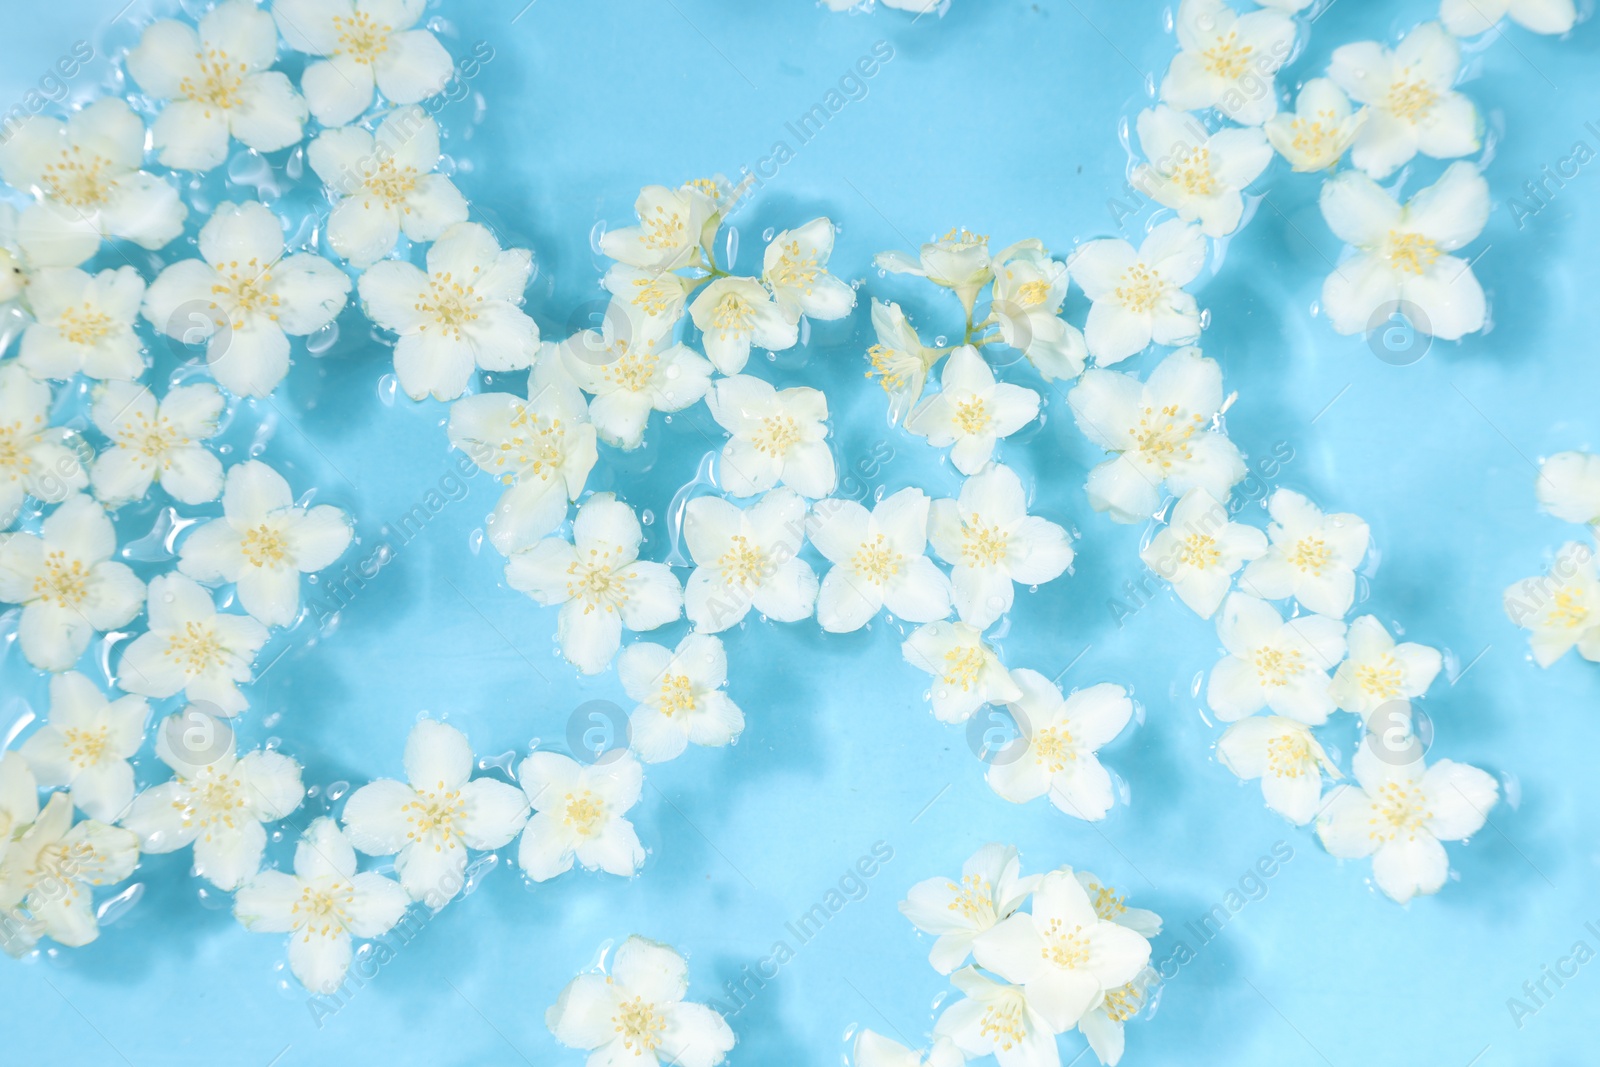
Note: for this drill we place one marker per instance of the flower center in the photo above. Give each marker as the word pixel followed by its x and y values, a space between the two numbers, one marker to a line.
pixel 663 229
pixel 1275 666
pixel 1288 755
pixel 321 909
pixel 219 82
pixel 982 546
pixel 150 439
pixel 1002 1023
pixel 1316 137
pixel 875 561
pixel 264 546
pixel 1122 1003
pixel 542 454
pixel 1053 748
pixel 79 178
pixel 655 296
pixel 962 665
pixel 361 37
pixel 195 647
pixel 1063 947
pixel 1192 173
pixel 1199 551
pixel 743 564
pixel 214 801
pixel 434 812
pixel 585 812
pixel 1311 554
pixel 632 370
pixel 1398 808
pixel 1381 680
pixel 1141 288
pixel 247 289
pixel 13 448
pixel 1228 58
pixel 1567 609
pixel 794 270
pixel 1107 904
pixel 1162 436
pixel 1033 293
pixel 974 897
pixel 597 582
pixel 1411 100
pixel 65 580
pixel 87 746
pixel 971 415
pixel 392 184
pixel 733 315
pixel 888 367
pixel 84 325
pixel 777 435
pixel 677 694
pixel 640 1025
pixel 449 304
pixel 1411 252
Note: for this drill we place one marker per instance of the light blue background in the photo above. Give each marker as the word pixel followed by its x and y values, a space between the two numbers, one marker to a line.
pixel 1002 117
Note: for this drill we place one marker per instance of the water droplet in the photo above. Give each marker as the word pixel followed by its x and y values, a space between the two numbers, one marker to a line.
pixel 118 906
pixel 388 386
pixel 768 233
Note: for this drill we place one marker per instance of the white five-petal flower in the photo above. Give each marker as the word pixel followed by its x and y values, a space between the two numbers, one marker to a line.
pixel 1197 173
pixel 191 647
pixel 1228 61
pixel 1274 663
pixel 36 459
pixel 733 314
pixel 1560 609
pixel 747 558
pixel 776 437
pixel 879 561
pixel 578 815
pixel 971 411
pixel 48 875
pixel 1286 756
pixel 366 44
pixel 1138 294
pixel 632 367
pixel 795 268
pixel 83 322
pixel 1322 127
pixel 967 673
pixel 157 442
pixel 872 1049
pixel 899 360
pixel 85 744
pixel 990 890
pixel 1061 738
pixel 1199 550
pixel 1468 18
pixel 673 225
pixel 1568 486
pixel 680 697
pixel 1378 670
pixel 1029 288
pixel 998 1019
pixel 1312 557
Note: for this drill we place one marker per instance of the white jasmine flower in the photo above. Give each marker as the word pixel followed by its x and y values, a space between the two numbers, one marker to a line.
pixel 899 360
pixel 967 674
pixel 430 821
pixel 1062 738
pixel 1468 18
pixel 1113 907
pixel 1408 93
pixel 157 442
pixel 1560 609
pixel 385 185
pixel 1062 953
pixel 1197 173
pixel 879 561
pixel 1274 663
pixel 246 297
pixel 1568 486
pixel 463 312
pixel 1401 255
pixel 367 43
pixel 1399 814
pixel 747 558
pixel 191 647
pixel 1228 61
pixel 654 294
pixel 218 807
pixel 85 744
pixel 990 541
pixel 1286 757
pixel 49 873
pixel 542 449
pixel 36 459
pixel 264 542
pixel 19 798
pixel 83 322
pixel 998 1019
pixel 795 268
pixel 732 313
pixel 1199 550
pixel 578 814
pixel 971 411
pixel 1029 288
pixel 85 173
pixel 874 1050
pixel 680 697
pixel 1320 130
pixel 673 225
pixel 637 1013
pixel 1163 432
pixel 632 372
pixel 1379 670
pixel 958 261
pixel 324 904
pixel 1138 295
pixel 67 583
pixel 776 437
pixel 1103 1024
pixel 598 581
pixel 990 890
pixel 216 83
pixel 1312 558
pixel 16 266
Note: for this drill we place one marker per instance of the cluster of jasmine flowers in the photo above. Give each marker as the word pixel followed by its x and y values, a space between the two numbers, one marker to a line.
pixel 1560 609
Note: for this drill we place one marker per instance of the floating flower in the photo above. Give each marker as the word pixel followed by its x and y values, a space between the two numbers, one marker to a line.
pixel 83 323
pixel 733 313
pixel 1199 550
pixel 637 1013
pixel 245 297
pixel 67 583
pixel 385 184
pixel 879 561
pixel 971 411
pixel 776 437
pixel 1061 738
pixel 47 878
pixel 1138 295
pixel 795 268
pixel 1103 1024
pixel 632 373
pixel 216 802
pixel 991 889
pixel 264 542
pixel 430 821
pixel 463 312
pixel 1401 261
pixel 1285 755
pixel 1228 61
pixel 1560 609
pixel 1029 288
pixel 874 1050
pixel 1568 486
pixel 367 43
pixel 673 227
pixel 967 674
pixel 958 261
pixel 157 441
pixel 324 904
pixel 747 558
pixel 598 582
pixel 216 83
pixel 1197 173
pixel 191 647
pixel 998 1019
pixel 1468 18
pixel 1409 96
pixel 1319 131
pixel 85 744
pixel 1398 815
pixel 36 459
pixel 1114 908
pixel 653 294
pixel 1378 670
pixel 899 360
pixel 1163 432
pixel 990 541
pixel 680 697
pixel 1274 663
pixel 578 815
pixel 85 173
pixel 1312 557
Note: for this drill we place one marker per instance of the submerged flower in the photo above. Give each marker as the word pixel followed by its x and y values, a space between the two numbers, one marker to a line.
pixel 324 904
pixel 673 227
pixel 430 821
pixel 48 875
pixel 366 43
pixel 1412 107
pixel 264 542
pixel 1378 670
pixel 1398 815
pixel 216 83
pixel 1568 486
pixel 1274 663
pixel 776 437
pixel 1029 288
pixel 67 583
pixel 461 313
pixel 1319 131
pixel 1199 550
pixel 578 815
pixel 1560 609
pixel 632 371
pixel 245 297
pixel 191 647
pixel 1228 61
pixel 1468 18
pixel 967 674
pixel 958 261
pixel 971 411
pixel 1197 173
pixel 83 323
pixel 637 1014
pixel 1062 737
pixel 680 697
pixel 991 542
pixel 795 268
pixel 747 558
pixel 899 360
pixel 85 744
pixel 879 561
pixel 36 459
pixel 990 890
pixel 732 314
pixel 1138 295
pixel 157 442
pixel 598 582
pixel 1286 756
pixel 998 1019
pixel 1312 558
